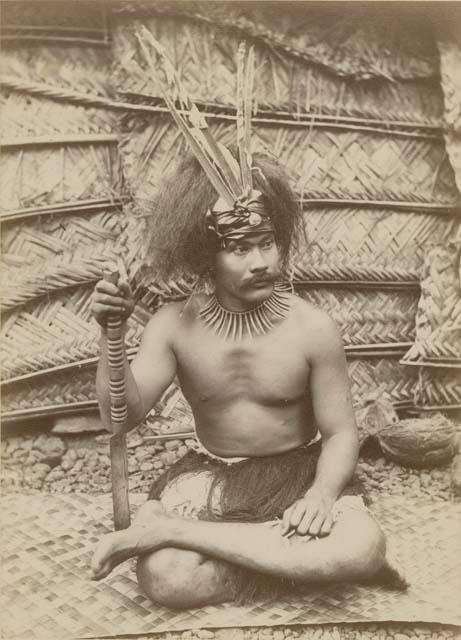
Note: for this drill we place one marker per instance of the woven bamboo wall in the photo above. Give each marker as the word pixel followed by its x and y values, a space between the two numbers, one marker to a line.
pixel 436 352
pixel 86 136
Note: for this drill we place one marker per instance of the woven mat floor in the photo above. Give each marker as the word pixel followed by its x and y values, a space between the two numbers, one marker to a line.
pixel 47 544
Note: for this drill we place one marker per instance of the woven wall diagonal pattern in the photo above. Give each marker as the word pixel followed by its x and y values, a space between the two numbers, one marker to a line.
pixel 204 55
pixel 349 45
pixel 84 23
pixel 80 267
pixel 37 334
pixel 438 319
pixel 50 175
pixel 58 389
pixel 42 238
pixel 367 244
pixel 367 317
pixel 321 164
pixel 43 256
pixel 53 261
pixel 47 593
pixel 69 386
pixel 367 374
pixel 25 116
pixel 438 388
pixel 449 47
pixel 84 69
pixel 55 331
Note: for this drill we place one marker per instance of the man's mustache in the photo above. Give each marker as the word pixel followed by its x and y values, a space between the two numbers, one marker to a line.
pixel 266 278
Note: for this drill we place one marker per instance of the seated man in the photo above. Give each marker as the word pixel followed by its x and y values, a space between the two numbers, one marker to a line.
pixel 264 503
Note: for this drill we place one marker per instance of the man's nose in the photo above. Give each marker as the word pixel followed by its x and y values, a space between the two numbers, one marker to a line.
pixel 258 262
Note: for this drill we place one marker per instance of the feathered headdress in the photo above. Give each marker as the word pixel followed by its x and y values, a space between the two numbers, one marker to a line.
pixel 239 209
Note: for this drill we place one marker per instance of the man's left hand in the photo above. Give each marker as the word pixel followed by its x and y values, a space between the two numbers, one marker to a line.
pixel 310 515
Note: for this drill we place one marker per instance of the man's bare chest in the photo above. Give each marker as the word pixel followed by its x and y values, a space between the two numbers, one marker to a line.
pixel 271 366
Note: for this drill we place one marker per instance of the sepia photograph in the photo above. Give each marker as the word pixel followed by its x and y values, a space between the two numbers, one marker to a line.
pixel 230 320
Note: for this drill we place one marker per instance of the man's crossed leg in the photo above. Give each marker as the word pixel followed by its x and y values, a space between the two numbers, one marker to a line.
pixel 184 562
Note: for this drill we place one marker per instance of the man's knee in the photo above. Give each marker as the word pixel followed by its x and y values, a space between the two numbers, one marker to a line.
pixel 365 555
pixel 170 577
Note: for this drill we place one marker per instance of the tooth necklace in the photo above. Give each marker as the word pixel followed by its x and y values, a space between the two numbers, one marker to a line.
pixel 253 322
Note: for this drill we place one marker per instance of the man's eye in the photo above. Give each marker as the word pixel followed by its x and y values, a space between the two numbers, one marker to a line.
pixel 268 244
pixel 239 250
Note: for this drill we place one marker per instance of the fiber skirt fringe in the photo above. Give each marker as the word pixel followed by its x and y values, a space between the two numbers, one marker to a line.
pixel 252 490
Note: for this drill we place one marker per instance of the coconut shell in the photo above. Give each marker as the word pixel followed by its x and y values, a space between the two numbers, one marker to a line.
pixel 420 442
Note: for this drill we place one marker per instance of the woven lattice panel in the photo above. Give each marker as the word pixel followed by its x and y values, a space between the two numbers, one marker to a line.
pixel 172 414
pixel 438 388
pixel 25 117
pixel 438 321
pixel 46 590
pixel 367 317
pixel 453 145
pixel 450 63
pixel 367 374
pixel 84 21
pixel 350 45
pixel 205 58
pixel 55 331
pixel 43 176
pixel 321 164
pixel 52 391
pixel 55 390
pixel 23 284
pixel 46 262
pixel 367 244
pixel 51 253
pixel 83 69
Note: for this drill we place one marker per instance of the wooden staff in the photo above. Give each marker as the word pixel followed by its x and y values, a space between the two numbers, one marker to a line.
pixel 118 416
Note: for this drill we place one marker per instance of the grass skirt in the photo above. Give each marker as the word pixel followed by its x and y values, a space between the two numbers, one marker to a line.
pixel 252 490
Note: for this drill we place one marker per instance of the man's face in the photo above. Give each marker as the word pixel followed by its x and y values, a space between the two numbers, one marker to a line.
pixel 246 271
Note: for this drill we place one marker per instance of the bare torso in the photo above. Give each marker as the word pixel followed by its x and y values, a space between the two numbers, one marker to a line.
pixel 249 397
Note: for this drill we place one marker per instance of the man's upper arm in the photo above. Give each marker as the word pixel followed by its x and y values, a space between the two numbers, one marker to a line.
pixel 154 366
pixel 329 380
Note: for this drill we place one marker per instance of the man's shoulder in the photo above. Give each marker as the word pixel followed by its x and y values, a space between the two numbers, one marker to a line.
pixel 320 330
pixel 164 320
pixel 175 315
pixel 312 317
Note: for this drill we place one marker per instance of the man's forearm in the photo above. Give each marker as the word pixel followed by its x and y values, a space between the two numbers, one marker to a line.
pixel 134 403
pixel 337 463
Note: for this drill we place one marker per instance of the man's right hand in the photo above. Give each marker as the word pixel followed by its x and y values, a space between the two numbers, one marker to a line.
pixel 112 299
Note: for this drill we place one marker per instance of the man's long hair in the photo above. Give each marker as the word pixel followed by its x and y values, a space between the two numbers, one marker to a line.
pixel 179 242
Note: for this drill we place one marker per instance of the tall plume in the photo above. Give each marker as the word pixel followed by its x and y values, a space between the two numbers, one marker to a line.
pixel 213 157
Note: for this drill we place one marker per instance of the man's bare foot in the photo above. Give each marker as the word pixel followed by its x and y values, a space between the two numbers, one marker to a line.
pixel 145 534
pixel 113 549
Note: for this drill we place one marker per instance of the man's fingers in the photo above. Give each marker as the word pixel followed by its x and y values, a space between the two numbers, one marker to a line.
pixel 304 525
pixel 104 286
pixel 110 301
pixel 125 288
pixel 121 290
pixel 326 526
pixel 316 524
pixel 286 520
pixel 100 310
pixel 299 509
